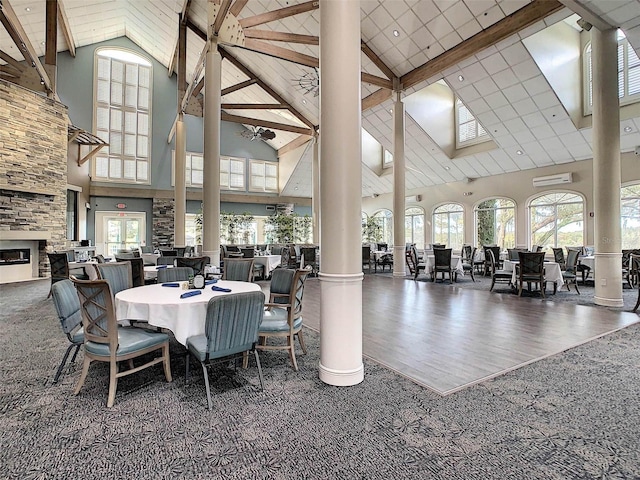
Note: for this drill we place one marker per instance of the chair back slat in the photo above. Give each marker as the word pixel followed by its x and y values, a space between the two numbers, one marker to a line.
pixel 137 269
pixel 59 266
pixel 238 269
pixel 67 303
pixel 281 280
pixel 442 257
pixel 98 314
pixel 531 263
pixel 176 274
pixel 118 274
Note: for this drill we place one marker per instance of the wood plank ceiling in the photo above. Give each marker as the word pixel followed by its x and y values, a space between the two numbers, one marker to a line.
pixel 413 42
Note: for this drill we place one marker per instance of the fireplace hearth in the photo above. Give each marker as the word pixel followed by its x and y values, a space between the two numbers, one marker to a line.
pixel 14 256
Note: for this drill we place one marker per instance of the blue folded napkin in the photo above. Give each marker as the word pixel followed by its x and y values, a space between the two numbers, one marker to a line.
pixel 161 266
pixel 190 293
pixel 215 288
pixel 211 282
pixel 171 284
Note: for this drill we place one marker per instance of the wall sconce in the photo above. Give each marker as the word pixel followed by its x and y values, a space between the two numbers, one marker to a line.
pixel 582 23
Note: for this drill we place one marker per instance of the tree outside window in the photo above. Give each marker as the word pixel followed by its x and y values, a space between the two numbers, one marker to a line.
pixel 557 220
pixel 630 216
pixel 414 226
pixel 496 223
pixel 384 218
pixel 448 225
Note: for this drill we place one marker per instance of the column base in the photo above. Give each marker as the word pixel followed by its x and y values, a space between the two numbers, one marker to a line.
pixel 608 302
pixel 341 378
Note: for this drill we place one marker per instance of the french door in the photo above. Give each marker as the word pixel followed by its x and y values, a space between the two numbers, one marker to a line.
pixel 119 230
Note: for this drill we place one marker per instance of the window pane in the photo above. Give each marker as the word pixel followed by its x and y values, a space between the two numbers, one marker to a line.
pixel 115 168
pixel 103 91
pixel 130 145
pixel 143 171
pixel 102 167
pixel 129 170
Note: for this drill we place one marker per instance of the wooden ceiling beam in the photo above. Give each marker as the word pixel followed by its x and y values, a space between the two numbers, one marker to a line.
pixel 376 98
pixel 237 7
pixel 278 14
pixel 13 27
pixel 222 13
pixel 238 86
pixel 194 78
pixel 377 81
pixel 196 29
pixel 254 106
pixel 281 53
pixel 20 66
pixel 227 117
pixel 244 69
pixel 293 144
pixel 66 29
pixel 377 61
pixel 281 36
pixel 520 19
pixel 184 14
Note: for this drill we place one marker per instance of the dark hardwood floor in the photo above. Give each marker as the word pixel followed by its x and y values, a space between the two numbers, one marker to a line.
pixel 446 338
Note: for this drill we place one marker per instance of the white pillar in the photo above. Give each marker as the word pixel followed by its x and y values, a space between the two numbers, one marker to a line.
pixel 315 196
pixel 606 169
pixel 211 181
pixel 398 187
pixel 341 194
pixel 180 188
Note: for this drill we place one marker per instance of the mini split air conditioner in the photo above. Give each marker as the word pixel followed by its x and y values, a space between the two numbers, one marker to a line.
pixel 558 179
pixel 413 199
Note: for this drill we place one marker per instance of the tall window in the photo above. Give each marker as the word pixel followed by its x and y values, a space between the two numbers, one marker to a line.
pixel 232 173
pixel 468 129
pixel 414 226
pixel 496 223
pixel 630 216
pixel 385 220
pixel 557 220
pixel 448 225
pixel 122 116
pixel 191 230
pixel 264 176
pixel 628 74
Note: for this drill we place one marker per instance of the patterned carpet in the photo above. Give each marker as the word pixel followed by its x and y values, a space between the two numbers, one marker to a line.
pixel 572 416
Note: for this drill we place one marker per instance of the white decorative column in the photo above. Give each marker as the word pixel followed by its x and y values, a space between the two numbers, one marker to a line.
pixel 180 188
pixel 315 195
pixel 398 187
pixel 606 169
pixel 340 194
pixel 211 181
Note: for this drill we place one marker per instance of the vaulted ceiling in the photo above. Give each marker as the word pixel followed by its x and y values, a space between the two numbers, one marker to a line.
pixel 418 42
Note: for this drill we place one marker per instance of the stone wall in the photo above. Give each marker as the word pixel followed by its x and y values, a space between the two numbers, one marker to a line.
pixel 33 167
pixel 163 222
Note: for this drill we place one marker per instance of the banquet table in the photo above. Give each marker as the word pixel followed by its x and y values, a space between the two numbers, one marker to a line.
pixel 162 306
pixel 456 263
pixel 270 262
pixel 552 272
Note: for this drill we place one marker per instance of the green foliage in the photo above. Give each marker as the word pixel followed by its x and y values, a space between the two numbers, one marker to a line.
pixel 235 227
pixel 371 230
pixel 278 228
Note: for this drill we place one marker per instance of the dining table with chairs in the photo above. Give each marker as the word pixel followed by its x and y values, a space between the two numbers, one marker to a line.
pixel 552 272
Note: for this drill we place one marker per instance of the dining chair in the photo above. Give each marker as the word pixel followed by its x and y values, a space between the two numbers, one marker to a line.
pixel 409 260
pixel 170 260
pixel 487 258
pixel 419 266
pixel 584 270
pixel 442 264
pixel 558 257
pixel 569 273
pixel 238 269
pixel 67 303
pixel 258 268
pixel 635 260
pixel 118 274
pixel 106 341
pixel 168 253
pixel 137 269
pixel 288 257
pixel 382 247
pixel 231 330
pixel 196 263
pixel 634 267
pixel 467 262
pixel 175 274
pixel 531 270
pixel 366 257
pixel 497 275
pixel 284 320
pixel 59 268
pixel 308 255
pixel 99 258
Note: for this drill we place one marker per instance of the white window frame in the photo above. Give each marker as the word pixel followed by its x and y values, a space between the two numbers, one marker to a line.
pixel 189 173
pixel 629 213
pixel 233 168
pixel 387 158
pixel 133 118
pixel 259 180
pixel 513 207
pixel 480 135
pixel 441 211
pixel 531 205
pixel 623 71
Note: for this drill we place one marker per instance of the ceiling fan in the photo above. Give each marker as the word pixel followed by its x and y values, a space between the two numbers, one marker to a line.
pixel 260 133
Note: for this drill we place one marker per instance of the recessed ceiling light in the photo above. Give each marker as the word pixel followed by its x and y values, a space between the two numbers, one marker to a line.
pixel 627 129
pixel 519 152
pixel 295 188
pixel 460 78
pixel 28 9
pixel 391 110
pixel 304 101
pixel 42 43
pixel 396 33
pixel 447 168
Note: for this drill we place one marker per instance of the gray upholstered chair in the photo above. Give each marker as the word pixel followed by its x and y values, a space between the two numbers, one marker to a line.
pixel 137 269
pixel 284 320
pixel 166 260
pixel 231 330
pixel 118 274
pixel 176 274
pixel 67 303
pixel 106 341
pixel 238 269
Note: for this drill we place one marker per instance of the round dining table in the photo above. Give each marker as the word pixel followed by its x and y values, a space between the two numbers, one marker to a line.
pixel 162 306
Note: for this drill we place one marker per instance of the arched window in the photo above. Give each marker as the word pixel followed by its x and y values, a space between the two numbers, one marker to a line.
pixel 628 74
pixel 448 225
pixel 496 223
pixel 122 116
pixel 557 220
pixel 630 216
pixel 384 218
pixel 414 226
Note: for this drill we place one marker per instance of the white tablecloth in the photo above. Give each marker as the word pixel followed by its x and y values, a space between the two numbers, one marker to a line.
pixel 150 258
pixel 162 306
pixel 269 261
pixel 87 266
pixel 552 272
pixel 456 263
pixel 590 262
pixel 151 271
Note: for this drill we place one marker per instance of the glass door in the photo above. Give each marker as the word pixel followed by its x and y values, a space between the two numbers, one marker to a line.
pixel 119 231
